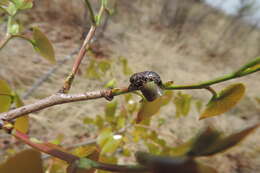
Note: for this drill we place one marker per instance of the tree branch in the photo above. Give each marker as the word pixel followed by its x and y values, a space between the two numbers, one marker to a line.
pixel 60 98
pixel 84 163
pixel 57 99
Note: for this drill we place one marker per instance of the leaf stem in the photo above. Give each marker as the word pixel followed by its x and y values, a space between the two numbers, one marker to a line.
pixel 91 12
pixel 5 40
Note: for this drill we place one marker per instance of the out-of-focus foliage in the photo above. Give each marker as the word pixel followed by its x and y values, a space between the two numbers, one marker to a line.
pixel 124 122
pixel 28 161
pixel 7 98
pixel 183 104
pixel 21 123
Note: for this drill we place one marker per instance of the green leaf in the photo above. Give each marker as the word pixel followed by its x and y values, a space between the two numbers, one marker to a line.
pixel 23 4
pixel 42 45
pixel 5 96
pixel 88 120
pixel 224 101
pixel 198 105
pixel 121 121
pixel 111 84
pixel 13 27
pixel 99 121
pixel 152 147
pixel 83 165
pixel 111 145
pixel 10 9
pixel 103 136
pixel 104 65
pixel 182 103
pixel 148 109
pixel 110 110
pixel 84 151
pixel 126 69
pixel 92 70
pixel 108 141
pixel 21 123
pixel 28 161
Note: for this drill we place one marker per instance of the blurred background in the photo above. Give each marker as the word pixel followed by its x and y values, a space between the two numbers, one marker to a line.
pixel 186 41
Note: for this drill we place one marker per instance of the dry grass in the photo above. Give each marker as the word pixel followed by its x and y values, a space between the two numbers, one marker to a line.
pixel 135 32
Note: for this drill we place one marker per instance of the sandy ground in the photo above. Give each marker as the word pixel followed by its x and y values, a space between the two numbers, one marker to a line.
pixel 147 46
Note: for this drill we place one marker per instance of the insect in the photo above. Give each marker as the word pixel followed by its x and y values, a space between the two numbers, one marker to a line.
pixel 148 82
pixel 138 80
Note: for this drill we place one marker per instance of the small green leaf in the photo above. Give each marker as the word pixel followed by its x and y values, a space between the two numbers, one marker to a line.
pixel 92 70
pixel 108 141
pixel 43 45
pixel 126 69
pixel 21 123
pixel 198 105
pixel 84 151
pixel 13 27
pixel 224 101
pixel 88 120
pixel 111 84
pixel 28 161
pixel 111 145
pixel 103 136
pixel 152 147
pixel 148 109
pixel 110 110
pixel 104 65
pixel 99 121
pixel 5 96
pixel 10 8
pixel 23 4
pixel 182 102
pixel 83 165
pixel 121 122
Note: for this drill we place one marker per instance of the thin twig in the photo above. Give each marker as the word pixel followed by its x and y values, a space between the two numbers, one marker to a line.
pixel 84 48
